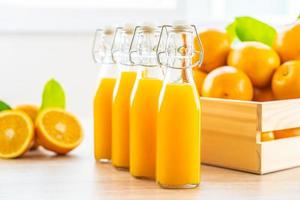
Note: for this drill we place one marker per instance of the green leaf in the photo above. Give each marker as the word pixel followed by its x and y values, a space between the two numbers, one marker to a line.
pixel 53 95
pixel 298 17
pixel 4 106
pixel 230 29
pixel 251 29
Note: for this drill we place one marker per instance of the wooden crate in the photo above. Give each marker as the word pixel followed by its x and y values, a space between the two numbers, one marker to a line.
pixel 231 132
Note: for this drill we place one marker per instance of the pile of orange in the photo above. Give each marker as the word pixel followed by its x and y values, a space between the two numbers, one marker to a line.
pixel 250 70
pixel 27 127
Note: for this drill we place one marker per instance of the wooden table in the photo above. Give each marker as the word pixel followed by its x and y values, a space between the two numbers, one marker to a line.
pixel 42 175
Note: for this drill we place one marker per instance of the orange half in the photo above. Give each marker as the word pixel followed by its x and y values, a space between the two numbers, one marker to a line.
pixel 58 130
pixel 32 111
pixel 16 133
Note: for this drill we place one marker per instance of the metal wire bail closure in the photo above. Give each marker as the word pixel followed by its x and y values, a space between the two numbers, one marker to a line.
pixel 133 50
pixel 102 44
pixel 159 45
pixel 201 50
pixel 98 34
pixel 165 28
pixel 114 48
pixel 117 50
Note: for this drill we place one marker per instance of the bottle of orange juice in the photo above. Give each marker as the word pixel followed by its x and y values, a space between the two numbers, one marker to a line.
pixel 121 99
pixel 103 99
pixel 178 119
pixel 144 102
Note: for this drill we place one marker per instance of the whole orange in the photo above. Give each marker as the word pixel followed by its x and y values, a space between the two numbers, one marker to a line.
pixel 216 46
pixel 257 60
pixel 229 83
pixel 287 133
pixel 199 77
pixel 263 94
pixel 287 43
pixel 286 81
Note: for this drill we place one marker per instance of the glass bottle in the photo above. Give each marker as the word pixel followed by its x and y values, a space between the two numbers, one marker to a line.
pixel 178 119
pixel 103 98
pixel 144 102
pixel 121 98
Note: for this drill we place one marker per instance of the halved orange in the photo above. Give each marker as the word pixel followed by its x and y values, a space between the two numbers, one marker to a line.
pixel 16 133
pixel 32 111
pixel 58 130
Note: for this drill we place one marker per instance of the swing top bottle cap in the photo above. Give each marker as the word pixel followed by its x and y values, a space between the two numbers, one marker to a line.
pixel 148 27
pixel 128 28
pixel 108 30
pixel 181 25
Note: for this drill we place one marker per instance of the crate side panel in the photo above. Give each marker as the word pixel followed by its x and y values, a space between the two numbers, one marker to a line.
pixel 229 132
pixel 278 115
pixel 280 154
pixel 230 152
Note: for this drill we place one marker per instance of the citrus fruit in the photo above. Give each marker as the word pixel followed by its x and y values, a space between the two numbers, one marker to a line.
pixel 16 133
pixel 257 60
pixel 267 136
pixel 229 83
pixel 216 46
pixel 286 81
pixel 199 77
pixel 58 130
pixel 287 133
pixel 287 43
pixel 32 112
pixel 263 94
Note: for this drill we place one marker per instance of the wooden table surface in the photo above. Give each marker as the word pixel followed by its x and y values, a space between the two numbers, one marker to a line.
pixel 42 175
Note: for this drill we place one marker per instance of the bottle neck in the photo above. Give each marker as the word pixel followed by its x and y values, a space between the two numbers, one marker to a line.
pixel 179 76
pixel 108 70
pixel 147 72
pixel 124 48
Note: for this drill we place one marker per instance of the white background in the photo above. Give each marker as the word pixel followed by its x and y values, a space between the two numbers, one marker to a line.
pixel 41 39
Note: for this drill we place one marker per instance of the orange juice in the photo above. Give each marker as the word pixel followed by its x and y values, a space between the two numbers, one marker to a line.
pixel 178 136
pixel 120 119
pixel 143 113
pixel 102 119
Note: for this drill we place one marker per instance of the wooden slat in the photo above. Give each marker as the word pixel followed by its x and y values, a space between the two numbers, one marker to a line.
pixel 280 154
pixel 229 116
pixel 278 115
pixel 229 134
pixel 230 152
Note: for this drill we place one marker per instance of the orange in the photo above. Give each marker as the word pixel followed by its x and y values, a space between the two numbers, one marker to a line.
pixel 286 81
pixel 229 83
pixel 216 46
pixel 287 43
pixel 199 77
pixel 58 130
pixel 287 133
pixel 263 94
pixel 257 60
pixel 32 112
pixel 267 136
pixel 16 133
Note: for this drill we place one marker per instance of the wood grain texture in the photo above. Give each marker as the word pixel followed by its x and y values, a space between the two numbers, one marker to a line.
pixel 78 176
pixel 231 131
pixel 278 115
pixel 43 176
pixel 280 154
pixel 229 134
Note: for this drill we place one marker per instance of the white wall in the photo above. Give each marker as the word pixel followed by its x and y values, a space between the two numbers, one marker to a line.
pixel 41 39
pixel 28 60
